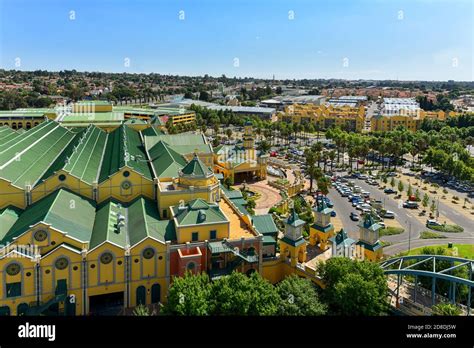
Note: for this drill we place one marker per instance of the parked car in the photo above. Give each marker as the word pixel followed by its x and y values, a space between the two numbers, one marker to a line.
pixel 354 216
pixel 389 215
pixel 389 191
pixel 410 205
pixel 432 223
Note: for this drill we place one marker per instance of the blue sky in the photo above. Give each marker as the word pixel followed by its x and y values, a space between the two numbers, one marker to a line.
pixel 377 39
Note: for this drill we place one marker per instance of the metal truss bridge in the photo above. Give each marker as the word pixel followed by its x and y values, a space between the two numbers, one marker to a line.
pixel 404 266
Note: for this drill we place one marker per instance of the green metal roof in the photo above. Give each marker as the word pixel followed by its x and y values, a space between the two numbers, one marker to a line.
pixel 8 217
pixel 151 131
pixel 368 222
pixel 93 102
pixel 321 207
pixel 219 247
pixel 124 148
pixel 86 160
pixel 294 220
pixel 24 161
pixel 231 193
pixel 293 242
pixel 93 117
pixel 184 143
pixel 165 161
pixel 367 246
pixel 195 167
pixel 144 221
pixel 198 211
pixel 323 229
pixel 269 240
pixel 63 210
pixel 105 226
pixel 264 224
pixel 342 238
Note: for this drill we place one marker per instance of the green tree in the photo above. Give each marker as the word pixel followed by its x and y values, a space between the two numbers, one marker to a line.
pixel 442 309
pixel 354 287
pixel 425 201
pixel 229 181
pixel 188 295
pixel 228 132
pixel 400 186
pixel 141 311
pixel 417 195
pixel 323 185
pixel 392 182
pixel 433 206
pixel 264 146
pixel 409 190
pixel 299 297
pixel 238 294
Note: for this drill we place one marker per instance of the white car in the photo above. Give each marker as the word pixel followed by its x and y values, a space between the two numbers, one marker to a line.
pixel 389 215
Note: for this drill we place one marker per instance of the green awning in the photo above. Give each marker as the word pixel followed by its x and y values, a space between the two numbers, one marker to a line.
pixel 268 240
pixel 219 247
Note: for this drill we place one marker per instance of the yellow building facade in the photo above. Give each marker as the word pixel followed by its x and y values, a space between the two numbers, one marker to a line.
pixel 325 116
pixel 386 123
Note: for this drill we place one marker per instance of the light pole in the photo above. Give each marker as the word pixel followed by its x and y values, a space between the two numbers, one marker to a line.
pixel 409 234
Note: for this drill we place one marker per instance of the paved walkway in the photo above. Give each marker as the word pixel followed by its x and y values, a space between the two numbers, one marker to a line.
pixel 269 196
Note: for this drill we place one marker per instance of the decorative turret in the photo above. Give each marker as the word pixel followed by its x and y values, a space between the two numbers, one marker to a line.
pixel 322 229
pixel 369 238
pixel 342 245
pixel 293 245
pixel 249 142
pixel 196 169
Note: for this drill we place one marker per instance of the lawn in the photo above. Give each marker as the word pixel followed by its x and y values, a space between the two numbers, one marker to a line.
pixel 463 250
pixel 447 228
pixel 388 231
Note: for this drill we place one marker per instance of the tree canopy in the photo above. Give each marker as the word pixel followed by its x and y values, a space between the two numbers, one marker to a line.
pixel 354 287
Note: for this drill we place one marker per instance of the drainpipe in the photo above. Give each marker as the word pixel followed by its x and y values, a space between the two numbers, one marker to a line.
pixel 260 254
pixel 127 276
pixel 84 281
pixel 36 260
pixel 167 265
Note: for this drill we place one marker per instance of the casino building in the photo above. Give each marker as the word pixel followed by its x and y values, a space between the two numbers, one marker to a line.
pixel 93 220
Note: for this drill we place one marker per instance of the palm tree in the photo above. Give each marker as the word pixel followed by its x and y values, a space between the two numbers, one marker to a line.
pixel 264 146
pixel 332 157
pixel 310 166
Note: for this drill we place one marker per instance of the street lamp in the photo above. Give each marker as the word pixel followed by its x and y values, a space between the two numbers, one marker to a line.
pixel 409 234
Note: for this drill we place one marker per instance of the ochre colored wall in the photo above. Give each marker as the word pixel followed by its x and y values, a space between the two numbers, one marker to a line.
pixel 11 195
pixel 184 234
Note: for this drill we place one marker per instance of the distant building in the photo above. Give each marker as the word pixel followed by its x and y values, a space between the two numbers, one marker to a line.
pixel 324 117
pixel 404 112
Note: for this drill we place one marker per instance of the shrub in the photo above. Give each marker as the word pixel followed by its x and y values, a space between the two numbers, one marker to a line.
pixel 431 235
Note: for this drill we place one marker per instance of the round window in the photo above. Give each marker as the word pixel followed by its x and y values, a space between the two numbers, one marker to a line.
pixel 191 265
pixel 13 269
pixel 126 173
pixel 62 177
pixel 40 235
pixel 106 258
pixel 126 185
pixel 148 253
pixel 61 263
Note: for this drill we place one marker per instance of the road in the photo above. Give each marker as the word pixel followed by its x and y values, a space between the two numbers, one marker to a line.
pixel 343 209
pixel 400 242
pixel 403 246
